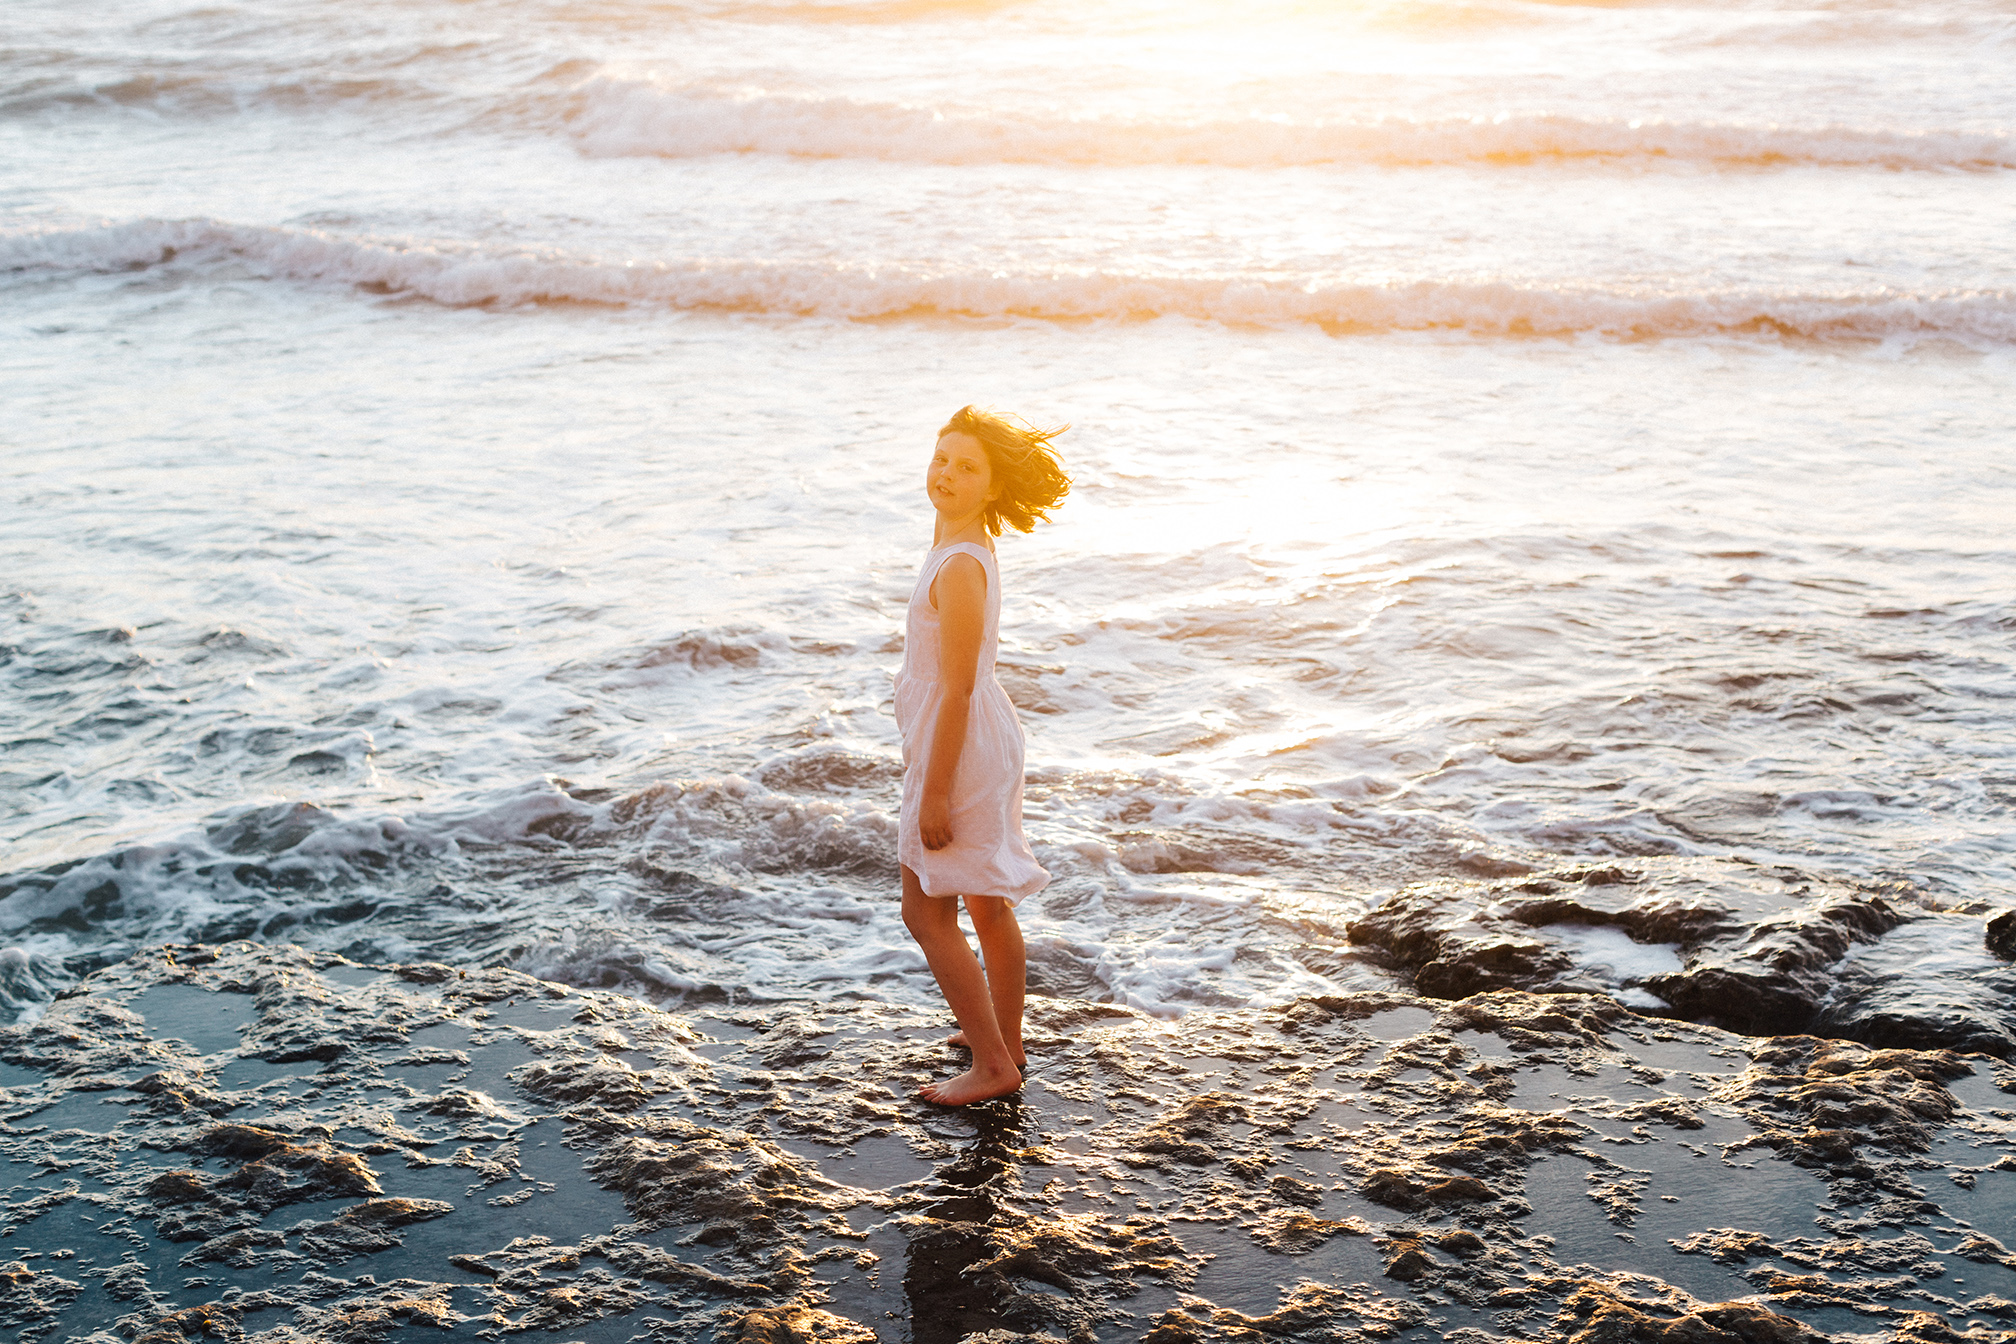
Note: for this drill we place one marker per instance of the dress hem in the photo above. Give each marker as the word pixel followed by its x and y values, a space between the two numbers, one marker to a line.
pixel 1015 899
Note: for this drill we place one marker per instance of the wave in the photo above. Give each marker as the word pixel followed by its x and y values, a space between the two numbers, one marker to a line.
pixel 621 118
pixel 681 871
pixel 609 116
pixel 199 94
pixel 466 276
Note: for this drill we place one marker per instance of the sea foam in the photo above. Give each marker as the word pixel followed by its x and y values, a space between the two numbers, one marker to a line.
pixel 469 275
pixel 619 117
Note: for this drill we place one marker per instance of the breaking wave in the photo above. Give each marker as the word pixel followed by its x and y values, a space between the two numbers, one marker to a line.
pixel 610 115
pixel 469 276
pixel 719 886
pixel 619 117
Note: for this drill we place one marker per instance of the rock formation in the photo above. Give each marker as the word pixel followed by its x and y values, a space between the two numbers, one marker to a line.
pixel 254 1142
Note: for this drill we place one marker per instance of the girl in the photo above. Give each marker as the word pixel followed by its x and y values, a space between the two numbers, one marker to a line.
pixel 960 832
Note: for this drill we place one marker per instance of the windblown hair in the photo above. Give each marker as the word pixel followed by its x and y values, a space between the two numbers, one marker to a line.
pixel 1024 464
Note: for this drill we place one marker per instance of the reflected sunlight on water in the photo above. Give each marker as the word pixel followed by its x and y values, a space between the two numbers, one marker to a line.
pixel 462 483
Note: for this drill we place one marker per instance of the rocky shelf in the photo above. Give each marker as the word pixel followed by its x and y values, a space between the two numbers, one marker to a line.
pixel 1756 949
pixel 255 1142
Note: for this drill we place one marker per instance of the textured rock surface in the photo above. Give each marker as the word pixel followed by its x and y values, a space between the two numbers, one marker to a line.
pixel 253 1142
pixel 2001 934
pixel 1751 949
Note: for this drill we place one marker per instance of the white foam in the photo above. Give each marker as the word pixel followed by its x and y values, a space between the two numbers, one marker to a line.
pixel 468 275
pixel 606 958
pixel 1610 954
pixel 622 117
pixel 31 972
pixel 1149 975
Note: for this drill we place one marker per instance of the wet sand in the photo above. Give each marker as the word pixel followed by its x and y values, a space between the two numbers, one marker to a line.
pixel 260 1142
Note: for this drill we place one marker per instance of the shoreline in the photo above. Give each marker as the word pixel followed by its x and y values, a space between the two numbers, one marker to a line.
pixel 258 1141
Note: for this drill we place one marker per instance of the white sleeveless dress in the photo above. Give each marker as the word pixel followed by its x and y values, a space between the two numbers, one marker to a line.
pixel 988 855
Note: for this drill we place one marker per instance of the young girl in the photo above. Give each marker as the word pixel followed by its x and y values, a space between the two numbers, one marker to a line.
pixel 960 833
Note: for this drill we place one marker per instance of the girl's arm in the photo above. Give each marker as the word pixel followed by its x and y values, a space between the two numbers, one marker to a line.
pixel 960 591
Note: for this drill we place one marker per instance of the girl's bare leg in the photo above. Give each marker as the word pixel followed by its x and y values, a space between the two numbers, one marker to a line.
pixel 1007 966
pixel 934 922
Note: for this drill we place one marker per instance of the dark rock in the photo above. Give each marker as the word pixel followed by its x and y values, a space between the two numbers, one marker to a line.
pixel 1194 1133
pixel 1461 1242
pixel 1295 1232
pixel 718 1234
pixel 213 1320
pixel 2000 935
pixel 34 1296
pixel 284 1171
pixel 670 1171
pixel 1500 1143
pixel 1459 1190
pixel 1883 995
pixel 1760 951
pixel 242 1248
pixel 466 1104
pixel 241 1141
pixel 1544 1165
pixel 1069 1255
pixel 1291 1191
pixel 365 1228
pixel 178 1187
pixel 1395 1189
pixel 1600 1315
pixel 596 1082
pixel 1410 1264
pixel 660 1266
pixel 176 1093
pixel 1728 1245
pixel 203 1224
pixel 1176 1327
pixel 799 1325
pixel 1983 1249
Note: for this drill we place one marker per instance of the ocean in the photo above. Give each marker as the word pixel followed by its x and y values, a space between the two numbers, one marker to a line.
pixel 462 471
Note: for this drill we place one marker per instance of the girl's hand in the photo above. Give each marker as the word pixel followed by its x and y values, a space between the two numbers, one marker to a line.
pixel 934 823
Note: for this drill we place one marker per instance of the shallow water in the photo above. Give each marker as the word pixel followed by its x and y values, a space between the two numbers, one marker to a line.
pixel 461 483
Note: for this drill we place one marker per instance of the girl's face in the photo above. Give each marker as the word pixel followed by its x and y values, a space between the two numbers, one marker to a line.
pixel 960 479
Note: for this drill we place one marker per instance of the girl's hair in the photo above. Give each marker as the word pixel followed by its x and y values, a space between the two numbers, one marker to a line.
pixel 1024 464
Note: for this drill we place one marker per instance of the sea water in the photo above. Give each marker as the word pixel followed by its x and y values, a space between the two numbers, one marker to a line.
pixel 462 463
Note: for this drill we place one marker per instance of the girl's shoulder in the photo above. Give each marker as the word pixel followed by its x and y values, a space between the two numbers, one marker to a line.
pixel 965 570
pixel 966 561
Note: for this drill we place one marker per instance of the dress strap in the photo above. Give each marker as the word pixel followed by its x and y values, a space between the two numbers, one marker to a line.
pixel 977 551
pixel 944 553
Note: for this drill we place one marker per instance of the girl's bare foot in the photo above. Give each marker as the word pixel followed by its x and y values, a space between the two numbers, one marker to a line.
pixel 976 1084
pixel 1015 1052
